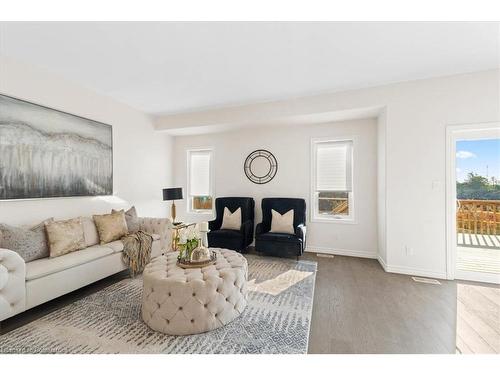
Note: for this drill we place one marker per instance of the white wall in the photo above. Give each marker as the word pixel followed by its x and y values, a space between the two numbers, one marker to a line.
pixel 291 147
pixel 382 187
pixel 416 115
pixel 141 156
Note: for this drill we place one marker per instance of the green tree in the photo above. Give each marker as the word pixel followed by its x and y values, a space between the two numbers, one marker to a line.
pixel 478 187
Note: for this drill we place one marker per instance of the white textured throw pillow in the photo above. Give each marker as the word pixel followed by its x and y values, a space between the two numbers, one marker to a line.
pixel 282 223
pixel 231 220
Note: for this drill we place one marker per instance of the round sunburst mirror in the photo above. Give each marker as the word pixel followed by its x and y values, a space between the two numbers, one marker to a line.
pixel 260 166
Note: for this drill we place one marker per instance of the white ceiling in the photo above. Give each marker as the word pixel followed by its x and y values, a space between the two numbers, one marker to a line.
pixel 164 67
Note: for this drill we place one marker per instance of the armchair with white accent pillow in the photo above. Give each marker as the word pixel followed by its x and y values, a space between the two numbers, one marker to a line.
pixel 233 224
pixel 282 231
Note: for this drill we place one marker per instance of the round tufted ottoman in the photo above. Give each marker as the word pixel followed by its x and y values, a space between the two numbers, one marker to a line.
pixel 180 301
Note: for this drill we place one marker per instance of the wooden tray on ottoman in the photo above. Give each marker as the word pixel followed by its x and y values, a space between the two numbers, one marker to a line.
pixel 188 264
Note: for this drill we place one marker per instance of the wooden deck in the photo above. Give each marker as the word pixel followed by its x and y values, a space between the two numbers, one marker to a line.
pixel 478 253
pixel 478 240
pixel 478 318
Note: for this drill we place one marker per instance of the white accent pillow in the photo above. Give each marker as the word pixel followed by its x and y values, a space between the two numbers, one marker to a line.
pixel 282 223
pixel 231 220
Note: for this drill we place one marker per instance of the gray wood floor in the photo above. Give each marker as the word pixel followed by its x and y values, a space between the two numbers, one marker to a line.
pixel 358 308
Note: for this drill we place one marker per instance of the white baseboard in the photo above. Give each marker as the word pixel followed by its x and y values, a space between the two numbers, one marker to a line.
pixel 346 252
pixel 386 267
pixel 411 271
pixel 382 263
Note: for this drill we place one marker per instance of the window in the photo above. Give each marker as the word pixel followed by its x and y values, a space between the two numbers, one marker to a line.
pixel 332 194
pixel 200 181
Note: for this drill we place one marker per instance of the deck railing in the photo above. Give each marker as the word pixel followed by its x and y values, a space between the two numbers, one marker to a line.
pixel 333 205
pixel 478 216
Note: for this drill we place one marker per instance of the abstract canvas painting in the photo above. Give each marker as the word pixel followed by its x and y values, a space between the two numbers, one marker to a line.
pixel 45 153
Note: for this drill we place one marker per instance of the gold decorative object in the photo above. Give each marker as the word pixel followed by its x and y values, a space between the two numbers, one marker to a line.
pixel 173 212
pixel 200 254
pixel 172 194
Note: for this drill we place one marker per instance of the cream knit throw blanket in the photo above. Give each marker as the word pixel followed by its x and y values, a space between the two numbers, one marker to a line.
pixel 137 251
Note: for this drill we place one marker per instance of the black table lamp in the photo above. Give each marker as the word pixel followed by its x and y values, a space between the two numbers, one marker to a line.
pixel 172 194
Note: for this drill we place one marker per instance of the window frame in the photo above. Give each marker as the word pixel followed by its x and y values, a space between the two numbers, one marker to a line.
pixel 190 208
pixel 314 201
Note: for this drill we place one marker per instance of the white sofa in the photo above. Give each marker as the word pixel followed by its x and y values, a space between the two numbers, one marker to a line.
pixel 26 285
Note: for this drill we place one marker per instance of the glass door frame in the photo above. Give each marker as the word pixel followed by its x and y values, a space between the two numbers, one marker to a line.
pixel 456 133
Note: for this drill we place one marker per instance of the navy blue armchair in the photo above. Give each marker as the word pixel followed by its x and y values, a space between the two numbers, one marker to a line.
pixel 232 239
pixel 282 244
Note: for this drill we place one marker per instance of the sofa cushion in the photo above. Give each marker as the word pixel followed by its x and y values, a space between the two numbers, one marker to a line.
pixel 117 246
pixel 43 267
pixel 111 227
pixel 29 243
pixel 90 231
pixel 65 236
pixel 227 233
pixel 279 237
pixel 131 218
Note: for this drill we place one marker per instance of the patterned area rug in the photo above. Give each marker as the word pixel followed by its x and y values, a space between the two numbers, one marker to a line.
pixel 276 320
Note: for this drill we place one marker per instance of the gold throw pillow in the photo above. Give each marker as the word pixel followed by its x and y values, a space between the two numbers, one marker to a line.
pixel 64 236
pixel 111 227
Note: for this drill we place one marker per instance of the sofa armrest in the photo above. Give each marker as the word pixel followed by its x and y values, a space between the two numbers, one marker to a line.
pixel 12 284
pixel 247 231
pixel 214 224
pixel 300 232
pixel 159 226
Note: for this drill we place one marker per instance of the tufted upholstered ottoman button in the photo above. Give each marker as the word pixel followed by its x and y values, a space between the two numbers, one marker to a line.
pixel 194 289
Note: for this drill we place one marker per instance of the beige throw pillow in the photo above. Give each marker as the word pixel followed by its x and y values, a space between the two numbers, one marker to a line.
pixel 111 227
pixel 65 236
pixel 231 220
pixel 131 218
pixel 282 223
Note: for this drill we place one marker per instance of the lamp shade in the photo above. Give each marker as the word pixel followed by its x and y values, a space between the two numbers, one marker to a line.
pixel 171 194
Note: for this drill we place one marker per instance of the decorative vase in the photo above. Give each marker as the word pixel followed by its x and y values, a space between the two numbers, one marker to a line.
pixel 200 254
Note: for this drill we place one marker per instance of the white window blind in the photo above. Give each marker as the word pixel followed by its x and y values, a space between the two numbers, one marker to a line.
pixel 334 166
pixel 199 174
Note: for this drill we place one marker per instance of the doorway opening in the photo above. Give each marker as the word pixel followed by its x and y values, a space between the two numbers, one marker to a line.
pixel 473 233
pixel 478 208
pixel 473 202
